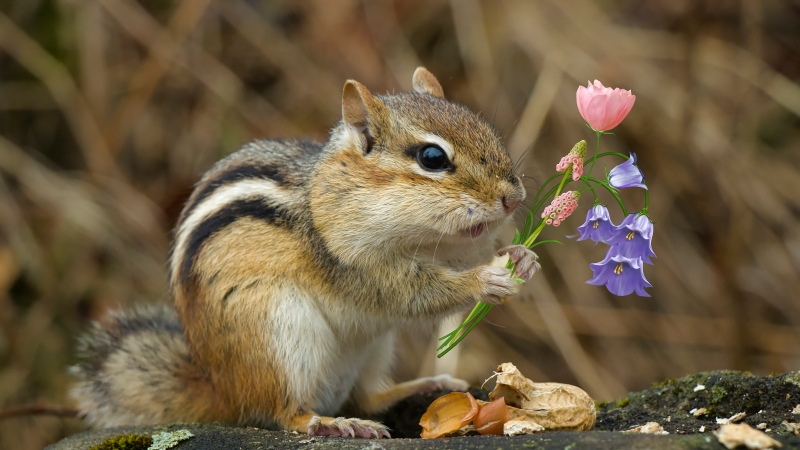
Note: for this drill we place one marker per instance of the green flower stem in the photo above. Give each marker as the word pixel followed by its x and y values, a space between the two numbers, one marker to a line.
pixel 538 206
pixel 591 188
pixel 447 338
pixel 646 199
pixel 611 190
pixel 481 309
pixel 539 192
pixel 602 155
pixel 596 151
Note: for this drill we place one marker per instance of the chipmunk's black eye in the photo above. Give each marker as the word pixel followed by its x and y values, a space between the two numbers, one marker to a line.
pixel 433 158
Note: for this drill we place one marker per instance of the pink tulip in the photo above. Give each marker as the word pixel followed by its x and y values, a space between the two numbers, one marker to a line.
pixel 603 108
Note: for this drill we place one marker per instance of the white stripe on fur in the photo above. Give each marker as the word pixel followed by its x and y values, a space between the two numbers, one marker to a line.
pixel 223 196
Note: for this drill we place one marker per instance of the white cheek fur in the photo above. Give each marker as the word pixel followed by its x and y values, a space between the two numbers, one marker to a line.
pixel 427 173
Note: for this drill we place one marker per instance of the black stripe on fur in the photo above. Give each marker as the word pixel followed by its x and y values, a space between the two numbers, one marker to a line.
pixel 253 208
pixel 270 172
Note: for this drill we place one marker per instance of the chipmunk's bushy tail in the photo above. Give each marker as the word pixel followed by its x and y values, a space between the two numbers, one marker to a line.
pixel 136 369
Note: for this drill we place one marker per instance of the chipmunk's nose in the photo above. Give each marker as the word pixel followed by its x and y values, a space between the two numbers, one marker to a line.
pixel 510 203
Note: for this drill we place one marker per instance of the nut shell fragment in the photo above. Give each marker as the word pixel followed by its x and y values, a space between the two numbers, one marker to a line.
pixel 554 406
pixel 517 427
pixel 491 417
pixel 448 414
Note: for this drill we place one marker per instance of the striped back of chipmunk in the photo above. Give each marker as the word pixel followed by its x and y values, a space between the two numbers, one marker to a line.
pixel 264 181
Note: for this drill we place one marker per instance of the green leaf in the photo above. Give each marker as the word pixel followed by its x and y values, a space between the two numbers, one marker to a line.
pixel 547 241
pixel 518 280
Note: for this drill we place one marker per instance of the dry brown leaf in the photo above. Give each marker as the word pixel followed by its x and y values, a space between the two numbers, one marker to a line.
pixel 448 414
pixel 554 406
pixel 734 435
pixel 491 417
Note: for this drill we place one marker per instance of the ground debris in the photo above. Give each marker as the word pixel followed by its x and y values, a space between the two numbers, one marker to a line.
pixel 732 419
pixel 734 435
pixel 648 428
pixel 698 412
pixel 794 427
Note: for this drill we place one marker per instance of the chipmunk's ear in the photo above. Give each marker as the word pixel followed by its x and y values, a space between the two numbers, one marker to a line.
pixel 425 83
pixel 361 109
pixel 357 104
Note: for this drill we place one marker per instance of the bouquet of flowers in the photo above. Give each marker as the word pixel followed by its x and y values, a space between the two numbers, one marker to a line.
pixel 622 269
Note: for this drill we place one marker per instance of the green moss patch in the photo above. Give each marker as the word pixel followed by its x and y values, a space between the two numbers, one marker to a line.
pixel 125 442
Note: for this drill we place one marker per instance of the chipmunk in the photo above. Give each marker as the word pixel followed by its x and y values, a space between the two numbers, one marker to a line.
pixel 295 262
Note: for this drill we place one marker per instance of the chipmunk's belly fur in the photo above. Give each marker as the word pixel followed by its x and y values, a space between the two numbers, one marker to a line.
pixel 322 363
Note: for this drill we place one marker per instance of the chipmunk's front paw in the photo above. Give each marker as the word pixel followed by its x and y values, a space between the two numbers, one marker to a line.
pixel 525 260
pixel 340 426
pixel 496 284
pixel 440 382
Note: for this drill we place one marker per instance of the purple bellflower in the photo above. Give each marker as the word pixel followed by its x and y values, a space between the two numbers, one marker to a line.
pixel 627 175
pixel 633 238
pixel 598 226
pixel 620 275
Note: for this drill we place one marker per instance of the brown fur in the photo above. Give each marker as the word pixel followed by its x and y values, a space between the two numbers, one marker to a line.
pixel 294 262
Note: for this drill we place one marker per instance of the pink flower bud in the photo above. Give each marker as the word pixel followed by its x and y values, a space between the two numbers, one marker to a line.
pixel 561 208
pixel 574 158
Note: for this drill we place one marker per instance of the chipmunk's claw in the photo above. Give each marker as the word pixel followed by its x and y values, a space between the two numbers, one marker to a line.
pixel 525 260
pixel 340 426
pixel 496 283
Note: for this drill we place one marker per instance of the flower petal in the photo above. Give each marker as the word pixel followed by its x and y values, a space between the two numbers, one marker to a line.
pixel 583 97
pixel 614 104
pixel 621 276
pixel 595 112
pixel 626 175
pixel 640 245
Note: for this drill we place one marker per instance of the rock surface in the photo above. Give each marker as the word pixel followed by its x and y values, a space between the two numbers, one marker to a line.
pixel 767 400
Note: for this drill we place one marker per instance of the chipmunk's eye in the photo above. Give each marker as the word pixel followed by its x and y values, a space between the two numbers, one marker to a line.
pixel 433 158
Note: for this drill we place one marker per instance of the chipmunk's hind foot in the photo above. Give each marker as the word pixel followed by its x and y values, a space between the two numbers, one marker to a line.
pixel 315 425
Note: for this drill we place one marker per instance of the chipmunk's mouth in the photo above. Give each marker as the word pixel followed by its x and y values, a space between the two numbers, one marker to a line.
pixel 475 230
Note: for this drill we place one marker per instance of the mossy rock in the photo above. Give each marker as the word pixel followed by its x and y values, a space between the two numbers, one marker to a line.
pixel 767 400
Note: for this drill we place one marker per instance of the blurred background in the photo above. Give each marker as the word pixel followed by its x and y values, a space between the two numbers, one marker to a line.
pixel 111 109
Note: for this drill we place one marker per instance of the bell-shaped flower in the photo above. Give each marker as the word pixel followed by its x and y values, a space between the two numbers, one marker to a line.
pixel 627 175
pixel 598 226
pixel 620 275
pixel 603 108
pixel 633 238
